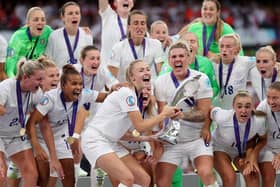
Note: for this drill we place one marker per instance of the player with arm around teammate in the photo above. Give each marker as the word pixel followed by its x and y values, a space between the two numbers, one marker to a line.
pixel 120 108
pixel 61 106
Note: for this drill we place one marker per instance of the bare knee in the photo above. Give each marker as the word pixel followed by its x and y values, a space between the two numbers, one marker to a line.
pixel 163 181
pixel 145 180
pixel 127 180
pixel 206 174
pixel 29 175
pixel 229 178
pixel 268 180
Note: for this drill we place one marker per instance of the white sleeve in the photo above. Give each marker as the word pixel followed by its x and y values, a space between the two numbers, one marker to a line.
pixel 262 106
pixel 49 52
pixel 260 123
pixel 2 148
pixel 89 96
pixel 205 89
pixel 89 39
pixel 160 90
pixel 115 59
pixel 214 114
pixel 45 105
pixel 109 78
pixel 3 49
pixel 159 54
pixel 4 92
pixel 251 62
pixel 37 96
pixel 106 13
pixel 253 74
pixel 128 101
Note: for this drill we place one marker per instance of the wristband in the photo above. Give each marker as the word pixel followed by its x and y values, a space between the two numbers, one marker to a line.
pixel 76 135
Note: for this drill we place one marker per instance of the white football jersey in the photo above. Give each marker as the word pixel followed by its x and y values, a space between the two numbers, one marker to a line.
pixel 122 56
pixel 110 32
pixel 57 48
pixel 224 134
pixel 10 125
pixel 164 91
pixel 112 119
pixel 237 81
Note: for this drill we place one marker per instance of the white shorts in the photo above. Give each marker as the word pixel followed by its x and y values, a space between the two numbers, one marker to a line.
pixel 94 145
pixel 176 154
pixel 131 145
pixel 2 148
pixel 232 152
pixel 15 145
pixel 62 148
pixel 267 154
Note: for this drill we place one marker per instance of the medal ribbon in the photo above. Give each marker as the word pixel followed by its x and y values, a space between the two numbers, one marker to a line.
pixel 123 35
pixel 140 101
pixel 189 101
pixel 206 46
pixel 132 47
pixel 275 119
pixel 223 87
pixel 273 79
pixel 196 66
pixel 241 150
pixel 68 44
pixel 20 104
pixel 71 124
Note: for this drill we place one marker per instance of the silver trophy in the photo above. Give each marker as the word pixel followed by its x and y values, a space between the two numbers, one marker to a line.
pixel 187 89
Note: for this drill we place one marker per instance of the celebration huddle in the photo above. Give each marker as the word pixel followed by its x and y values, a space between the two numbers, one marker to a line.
pixel 141 110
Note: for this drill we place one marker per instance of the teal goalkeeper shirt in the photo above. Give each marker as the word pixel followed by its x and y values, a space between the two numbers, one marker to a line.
pixel 23 44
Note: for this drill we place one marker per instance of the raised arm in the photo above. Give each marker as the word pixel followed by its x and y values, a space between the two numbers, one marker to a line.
pixel 102 5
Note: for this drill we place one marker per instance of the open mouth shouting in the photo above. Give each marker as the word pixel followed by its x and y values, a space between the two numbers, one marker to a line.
pixel 74 22
pixel 126 5
pixel 94 67
pixel 244 117
pixel 40 29
pixel 178 65
pixel 146 78
pixel 262 72
pixel 53 85
pixel 76 93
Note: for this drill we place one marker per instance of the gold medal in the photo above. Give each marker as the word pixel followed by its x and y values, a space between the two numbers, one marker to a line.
pixel 70 140
pixel 22 131
pixel 135 133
